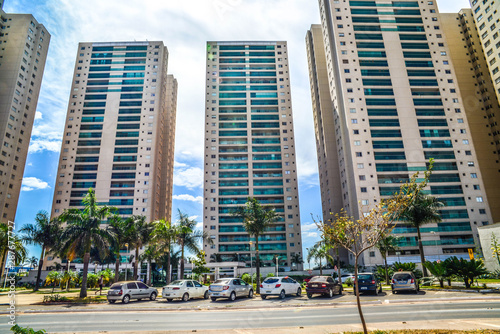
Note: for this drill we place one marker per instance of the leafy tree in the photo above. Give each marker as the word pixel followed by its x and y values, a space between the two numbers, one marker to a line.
pixel 495 247
pixel 149 255
pixel 68 277
pixel 382 272
pixel 270 275
pixel 247 278
pixel 83 230
pixel 358 235
pixel 188 237
pixel 385 245
pixel 44 232
pixel 140 235
pixel 54 278
pixel 466 270
pixel 92 280
pixel 120 230
pixel 296 258
pixel 164 234
pixel 199 264
pixel 256 219
pixel 438 269
pixel 33 262
pixel 424 209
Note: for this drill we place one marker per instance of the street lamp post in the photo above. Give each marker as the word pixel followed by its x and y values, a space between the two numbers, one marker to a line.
pixel 277 271
pixel 309 258
pixel 126 266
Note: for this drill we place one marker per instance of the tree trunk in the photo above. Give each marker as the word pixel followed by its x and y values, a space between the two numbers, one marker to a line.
pixel 136 261
pixel 421 251
pixel 168 265
pixel 257 264
pixel 386 270
pixel 441 283
pixel 3 260
pixel 150 270
pixel 449 281
pixel 358 302
pixel 117 267
pixel 320 268
pixel 39 272
pixel 181 274
pixel 69 276
pixel 338 267
pixel 466 281
pixel 83 290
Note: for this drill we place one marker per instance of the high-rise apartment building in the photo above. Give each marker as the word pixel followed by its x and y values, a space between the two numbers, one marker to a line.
pixel 478 93
pixel 23 50
pixel 120 130
pixel 250 151
pixel 396 104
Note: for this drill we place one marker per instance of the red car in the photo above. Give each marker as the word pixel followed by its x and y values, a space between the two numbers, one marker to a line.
pixel 306 280
pixel 323 285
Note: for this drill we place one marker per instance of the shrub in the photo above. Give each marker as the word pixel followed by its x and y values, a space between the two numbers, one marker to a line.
pixel 246 277
pixel 26 330
pixel 464 269
pixel 270 275
pixel 407 266
pixel 54 298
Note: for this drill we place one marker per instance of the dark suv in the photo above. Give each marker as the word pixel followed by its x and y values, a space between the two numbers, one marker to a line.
pixel 368 283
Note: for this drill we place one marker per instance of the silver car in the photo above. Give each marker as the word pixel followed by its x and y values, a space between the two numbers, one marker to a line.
pixel 125 291
pixel 404 281
pixel 184 289
pixel 230 288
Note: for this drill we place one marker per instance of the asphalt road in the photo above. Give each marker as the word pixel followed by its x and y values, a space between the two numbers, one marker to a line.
pixel 253 318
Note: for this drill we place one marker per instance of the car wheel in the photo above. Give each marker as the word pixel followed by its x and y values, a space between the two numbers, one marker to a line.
pixel 250 294
pixel 213 299
pixel 111 301
pixel 393 292
pixel 153 296
pixel 126 299
pixel 169 299
pixel 205 296
pixel 232 296
pixel 282 294
pixel 185 297
pixel 375 292
pixel 309 295
pixel 263 296
pixel 299 292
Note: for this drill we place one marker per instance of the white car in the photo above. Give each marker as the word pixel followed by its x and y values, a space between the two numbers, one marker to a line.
pixel 184 289
pixel 280 286
pixel 347 276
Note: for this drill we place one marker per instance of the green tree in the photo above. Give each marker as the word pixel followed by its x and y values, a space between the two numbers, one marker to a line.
pixel 54 278
pixel 296 258
pixel 45 233
pixel 187 238
pixel 439 270
pixel 466 270
pixel 121 231
pixel 495 248
pixel 68 277
pixel 83 230
pixel 33 262
pixel 199 264
pixel 149 255
pixel 140 235
pixel 424 209
pixel 319 251
pixel 256 219
pixel 165 234
pixel 386 244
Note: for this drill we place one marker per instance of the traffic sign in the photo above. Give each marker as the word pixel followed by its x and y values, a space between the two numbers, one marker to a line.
pixel 471 253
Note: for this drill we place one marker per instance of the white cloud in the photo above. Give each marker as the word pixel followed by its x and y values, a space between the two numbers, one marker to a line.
pixel 38 115
pixel 39 145
pixel 309 227
pixel 179 164
pixel 311 234
pixel 191 177
pixel 33 183
pixel 186 197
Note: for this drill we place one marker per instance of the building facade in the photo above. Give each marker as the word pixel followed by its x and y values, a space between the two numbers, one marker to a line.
pixel 120 130
pixel 396 104
pixel 250 151
pixel 24 44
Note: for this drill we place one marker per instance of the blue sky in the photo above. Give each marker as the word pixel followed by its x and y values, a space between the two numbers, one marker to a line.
pixel 184 27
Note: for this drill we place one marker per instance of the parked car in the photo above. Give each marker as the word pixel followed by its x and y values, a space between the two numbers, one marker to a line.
pixel 324 285
pixel 125 291
pixel 230 288
pixel 347 276
pixel 307 279
pixel 279 286
pixel 368 282
pixel 184 289
pixel 404 281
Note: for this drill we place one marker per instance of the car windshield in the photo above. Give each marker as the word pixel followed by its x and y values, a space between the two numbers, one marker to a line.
pixel 116 286
pixel 222 281
pixel 364 276
pixel 318 279
pixel 177 283
pixel 402 276
pixel 271 280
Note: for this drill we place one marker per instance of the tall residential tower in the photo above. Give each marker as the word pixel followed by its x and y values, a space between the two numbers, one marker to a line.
pixel 120 130
pixel 250 150
pixel 396 104
pixel 23 50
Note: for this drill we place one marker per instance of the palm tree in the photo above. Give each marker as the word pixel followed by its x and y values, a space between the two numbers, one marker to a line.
pixel 296 258
pixel 215 257
pixel 54 277
pixel 84 230
pixel 9 242
pixel 165 234
pixel 319 251
pixel 188 237
pixel 385 245
pixel 44 232
pixel 140 236
pixel 256 219
pixel 422 210
pixel 149 255
pixel 121 231
pixel 33 262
